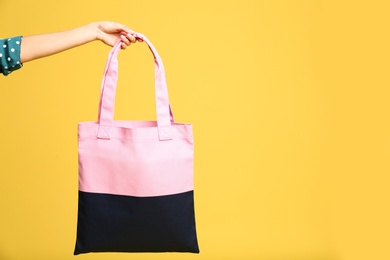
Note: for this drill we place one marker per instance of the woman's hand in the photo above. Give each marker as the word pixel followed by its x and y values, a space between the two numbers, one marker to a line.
pixel 108 32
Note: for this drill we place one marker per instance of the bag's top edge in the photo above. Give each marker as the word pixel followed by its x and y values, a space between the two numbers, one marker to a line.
pixel 134 130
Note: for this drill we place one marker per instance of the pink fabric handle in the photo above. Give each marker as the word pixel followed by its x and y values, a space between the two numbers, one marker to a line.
pixel 108 90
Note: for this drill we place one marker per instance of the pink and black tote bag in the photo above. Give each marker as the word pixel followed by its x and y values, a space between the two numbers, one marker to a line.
pixel 135 177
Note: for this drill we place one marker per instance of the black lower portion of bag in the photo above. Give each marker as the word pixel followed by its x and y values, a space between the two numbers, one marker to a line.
pixel 116 223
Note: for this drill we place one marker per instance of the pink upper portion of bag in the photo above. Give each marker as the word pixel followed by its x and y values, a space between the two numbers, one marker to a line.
pixel 135 158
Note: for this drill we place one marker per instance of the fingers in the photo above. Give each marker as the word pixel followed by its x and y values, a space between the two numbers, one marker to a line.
pixel 123 46
pixel 108 32
pixel 128 39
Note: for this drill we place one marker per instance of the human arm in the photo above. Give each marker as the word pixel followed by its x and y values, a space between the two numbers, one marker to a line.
pixel 39 46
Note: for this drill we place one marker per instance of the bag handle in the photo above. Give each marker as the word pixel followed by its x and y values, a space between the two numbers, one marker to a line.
pixel 108 89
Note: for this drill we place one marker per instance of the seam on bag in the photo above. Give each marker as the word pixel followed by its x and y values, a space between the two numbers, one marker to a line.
pixel 135 139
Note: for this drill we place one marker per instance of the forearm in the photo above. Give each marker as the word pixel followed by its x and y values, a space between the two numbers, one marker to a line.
pixel 38 46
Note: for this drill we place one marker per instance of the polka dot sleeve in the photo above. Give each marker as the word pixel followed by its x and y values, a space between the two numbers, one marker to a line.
pixel 10 54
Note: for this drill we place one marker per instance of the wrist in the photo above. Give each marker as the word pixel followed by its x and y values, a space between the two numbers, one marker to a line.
pixel 93 31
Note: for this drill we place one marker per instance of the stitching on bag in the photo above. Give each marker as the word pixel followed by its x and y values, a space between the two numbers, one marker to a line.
pixel 105 130
pixel 135 140
pixel 165 133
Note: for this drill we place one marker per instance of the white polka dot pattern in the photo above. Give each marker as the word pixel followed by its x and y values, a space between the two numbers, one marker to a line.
pixel 10 55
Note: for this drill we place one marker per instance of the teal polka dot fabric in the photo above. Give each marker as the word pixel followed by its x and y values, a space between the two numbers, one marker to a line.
pixel 10 54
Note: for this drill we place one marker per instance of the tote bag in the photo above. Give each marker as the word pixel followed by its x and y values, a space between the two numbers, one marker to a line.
pixel 135 177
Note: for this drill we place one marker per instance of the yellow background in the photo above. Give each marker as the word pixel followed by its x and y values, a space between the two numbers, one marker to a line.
pixel 290 106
